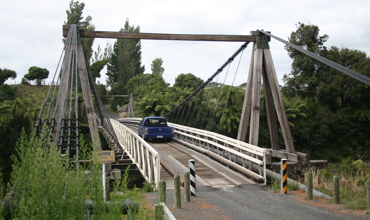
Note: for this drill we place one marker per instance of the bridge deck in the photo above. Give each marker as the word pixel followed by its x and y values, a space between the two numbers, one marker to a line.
pixel 174 160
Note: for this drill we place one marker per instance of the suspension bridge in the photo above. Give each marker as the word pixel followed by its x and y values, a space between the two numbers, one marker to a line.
pixel 63 107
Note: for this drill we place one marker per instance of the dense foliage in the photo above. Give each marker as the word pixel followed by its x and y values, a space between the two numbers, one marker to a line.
pixel 335 104
pixel 15 115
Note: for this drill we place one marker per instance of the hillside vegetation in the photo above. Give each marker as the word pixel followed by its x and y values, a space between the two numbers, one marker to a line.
pixel 36 94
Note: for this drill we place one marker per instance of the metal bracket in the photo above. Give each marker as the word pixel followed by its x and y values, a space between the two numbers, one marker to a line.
pixel 262 39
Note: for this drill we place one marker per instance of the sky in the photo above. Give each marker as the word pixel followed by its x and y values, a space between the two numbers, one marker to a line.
pixel 31 31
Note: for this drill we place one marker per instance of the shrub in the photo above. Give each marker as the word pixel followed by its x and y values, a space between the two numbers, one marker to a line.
pixel 6 93
pixel 43 185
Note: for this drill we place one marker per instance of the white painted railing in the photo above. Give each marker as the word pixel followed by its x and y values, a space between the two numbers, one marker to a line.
pixel 242 156
pixel 141 153
pixel 245 157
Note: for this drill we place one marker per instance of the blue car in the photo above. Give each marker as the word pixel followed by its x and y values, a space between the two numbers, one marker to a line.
pixel 155 128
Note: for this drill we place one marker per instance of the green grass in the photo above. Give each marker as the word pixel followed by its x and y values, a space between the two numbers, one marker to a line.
pixel 352 178
pixel 275 185
pixel 37 94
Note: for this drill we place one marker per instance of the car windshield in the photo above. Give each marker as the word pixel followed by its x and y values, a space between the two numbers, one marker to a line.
pixel 155 122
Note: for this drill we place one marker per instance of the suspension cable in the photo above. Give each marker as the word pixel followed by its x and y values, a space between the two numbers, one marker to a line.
pixel 228 96
pixel 358 76
pixel 209 101
pixel 209 80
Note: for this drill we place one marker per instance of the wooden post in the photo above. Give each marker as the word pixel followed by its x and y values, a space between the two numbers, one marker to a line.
pixel 63 92
pixel 162 191
pixel 368 195
pixel 177 193
pixel 278 101
pixel 187 186
pixel 256 94
pixel 86 92
pixel 159 212
pixel 309 185
pixel 336 193
pixel 270 110
pixel 130 108
pixel 246 111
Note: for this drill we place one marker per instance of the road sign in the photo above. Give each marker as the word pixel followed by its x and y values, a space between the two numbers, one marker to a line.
pixel 104 156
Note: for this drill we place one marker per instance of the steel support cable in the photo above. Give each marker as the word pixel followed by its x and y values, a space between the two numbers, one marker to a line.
pixel 77 138
pixel 72 48
pixel 38 123
pixel 177 116
pixel 187 113
pixel 52 99
pixel 73 84
pixel 67 44
pixel 219 94
pixel 209 101
pixel 228 96
pixel 103 114
pixel 196 104
pixel 182 114
pixel 210 79
pixel 198 118
pixel 360 77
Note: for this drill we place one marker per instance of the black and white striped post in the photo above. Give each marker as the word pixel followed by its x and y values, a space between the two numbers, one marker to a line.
pixel 192 177
pixel 284 176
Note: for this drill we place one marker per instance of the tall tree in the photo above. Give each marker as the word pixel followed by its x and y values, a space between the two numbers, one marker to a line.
pixel 6 74
pixel 336 107
pixel 125 62
pixel 74 16
pixel 187 81
pixel 306 72
pixel 157 67
pixel 338 90
pixel 37 73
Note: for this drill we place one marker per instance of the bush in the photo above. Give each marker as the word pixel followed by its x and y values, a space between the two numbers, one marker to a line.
pixel 43 184
pixel 6 93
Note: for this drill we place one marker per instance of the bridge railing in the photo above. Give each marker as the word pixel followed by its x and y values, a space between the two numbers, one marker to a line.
pixel 239 155
pixel 141 153
pixel 246 158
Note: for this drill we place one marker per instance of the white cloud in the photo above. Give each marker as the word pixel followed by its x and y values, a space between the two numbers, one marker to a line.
pixel 32 30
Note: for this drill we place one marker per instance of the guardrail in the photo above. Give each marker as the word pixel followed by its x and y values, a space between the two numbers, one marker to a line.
pixel 239 155
pixel 141 153
pixel 246 158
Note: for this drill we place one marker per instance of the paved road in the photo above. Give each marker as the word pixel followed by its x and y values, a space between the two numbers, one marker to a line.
pixel 248 202
pixel 111 114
